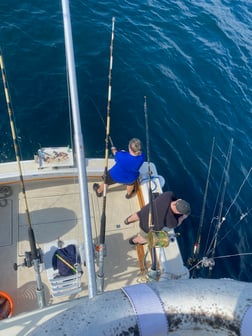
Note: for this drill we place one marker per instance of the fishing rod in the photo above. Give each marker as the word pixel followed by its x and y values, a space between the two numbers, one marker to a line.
pixel 196 248
pixel 101 249
pixel 219 217
pixel 153 274
pixel 244 214
pixel 34 257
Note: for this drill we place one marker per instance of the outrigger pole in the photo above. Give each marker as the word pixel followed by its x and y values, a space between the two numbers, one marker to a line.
pixel 153 273
pixel 79 148
pixel 101 248
pixel 34 256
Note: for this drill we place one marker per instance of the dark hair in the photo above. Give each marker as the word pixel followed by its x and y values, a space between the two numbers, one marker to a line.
pixel 183 207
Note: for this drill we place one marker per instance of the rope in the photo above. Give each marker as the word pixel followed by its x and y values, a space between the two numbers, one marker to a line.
pixel 152 178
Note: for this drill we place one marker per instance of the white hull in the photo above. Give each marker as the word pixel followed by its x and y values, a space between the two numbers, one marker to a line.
pixel 191 307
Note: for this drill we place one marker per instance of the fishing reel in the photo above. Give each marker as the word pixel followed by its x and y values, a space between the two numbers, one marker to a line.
pixel 157 239
pixel 161 238
pixel 208 263
pixel 28 260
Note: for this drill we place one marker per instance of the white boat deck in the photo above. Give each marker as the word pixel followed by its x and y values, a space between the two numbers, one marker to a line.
pixel 54 207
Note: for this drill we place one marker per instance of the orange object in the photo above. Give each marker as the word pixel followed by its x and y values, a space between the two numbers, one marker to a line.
pixel 6 305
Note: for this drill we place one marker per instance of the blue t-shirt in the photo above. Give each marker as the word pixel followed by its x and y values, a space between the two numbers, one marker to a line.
pixel 126 168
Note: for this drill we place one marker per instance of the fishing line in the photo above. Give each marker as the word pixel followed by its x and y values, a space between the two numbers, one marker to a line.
pixel 102 119
pixel 243 215
pixel 201 262
pixel 238 193
pixel 234 255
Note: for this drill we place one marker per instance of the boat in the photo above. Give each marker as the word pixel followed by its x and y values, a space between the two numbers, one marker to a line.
pixel 114 290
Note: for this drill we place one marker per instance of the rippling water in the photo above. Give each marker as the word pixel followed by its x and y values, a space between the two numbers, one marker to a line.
pixel 193 61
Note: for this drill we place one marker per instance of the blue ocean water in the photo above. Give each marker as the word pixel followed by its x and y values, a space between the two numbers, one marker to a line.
pixel 193 62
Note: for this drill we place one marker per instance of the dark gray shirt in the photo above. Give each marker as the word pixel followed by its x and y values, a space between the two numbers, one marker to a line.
pixel 162 213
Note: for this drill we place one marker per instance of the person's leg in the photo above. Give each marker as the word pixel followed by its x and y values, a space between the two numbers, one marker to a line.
pixel 101 187
pixel 137 240
pixel 131 219
pixel 98 188
pixel 130 189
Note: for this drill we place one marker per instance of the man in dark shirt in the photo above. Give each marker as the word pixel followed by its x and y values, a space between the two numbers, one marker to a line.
pixel 168 211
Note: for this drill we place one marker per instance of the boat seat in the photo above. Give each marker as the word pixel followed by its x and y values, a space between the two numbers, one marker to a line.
pixel 61 285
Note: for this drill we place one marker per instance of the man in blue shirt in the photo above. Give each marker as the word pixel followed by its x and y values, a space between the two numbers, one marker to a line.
pixel 126 168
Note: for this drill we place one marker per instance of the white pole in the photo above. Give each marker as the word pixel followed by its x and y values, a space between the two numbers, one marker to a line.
pixel 79 147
